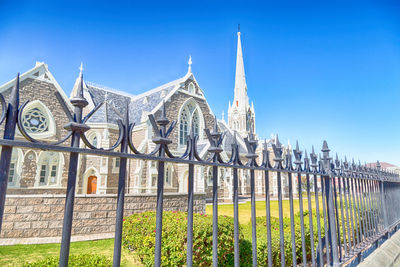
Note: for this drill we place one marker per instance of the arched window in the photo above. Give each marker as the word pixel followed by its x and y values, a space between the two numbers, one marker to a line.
pixel 14 172
pixel 210 176
pixel 196 123
pixel 168 175
pixel 191 88
pixel 48 168
pixel 94 141
pixel 183 127
pixel 37 120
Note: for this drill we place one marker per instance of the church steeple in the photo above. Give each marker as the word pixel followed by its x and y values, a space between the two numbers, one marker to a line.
pixel 241 116
pixel 240 77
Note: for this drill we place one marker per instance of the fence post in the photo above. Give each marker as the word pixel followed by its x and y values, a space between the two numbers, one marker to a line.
pixel 77 128
pixel 6 151
pixel 382 193
pixel 215 138
pixel 121 193
pixel 326 160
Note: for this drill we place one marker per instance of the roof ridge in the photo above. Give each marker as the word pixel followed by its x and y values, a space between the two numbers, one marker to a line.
pixel 109 89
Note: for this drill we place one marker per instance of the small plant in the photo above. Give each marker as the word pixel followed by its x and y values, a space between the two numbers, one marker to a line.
pixel 80 260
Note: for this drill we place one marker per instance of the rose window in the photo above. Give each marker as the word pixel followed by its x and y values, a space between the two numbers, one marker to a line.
pixel 35 121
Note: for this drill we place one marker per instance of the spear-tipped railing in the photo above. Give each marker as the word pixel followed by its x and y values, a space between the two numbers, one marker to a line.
pixel 352 206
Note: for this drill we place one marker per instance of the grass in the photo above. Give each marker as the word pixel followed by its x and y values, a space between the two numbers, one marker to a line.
pixel 16 255
pixel 245 209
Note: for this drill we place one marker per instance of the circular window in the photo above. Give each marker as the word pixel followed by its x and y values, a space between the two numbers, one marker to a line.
pixel 35 121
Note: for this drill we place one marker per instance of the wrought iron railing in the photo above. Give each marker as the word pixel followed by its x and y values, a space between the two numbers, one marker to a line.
pixel 360 204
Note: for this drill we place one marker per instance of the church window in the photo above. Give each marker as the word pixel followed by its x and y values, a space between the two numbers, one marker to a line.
pixel 37 120
pixel 168 175
pixel 210 176
pixel 11 172
pixel 49 166
pixel 154 180
pixel 191 88
pixel 94 142
pixel 183 128
pixel 117 162
pixel 43 174
pixel 196 124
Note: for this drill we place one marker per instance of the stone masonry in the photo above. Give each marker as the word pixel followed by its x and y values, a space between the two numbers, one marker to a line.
pixel 28 216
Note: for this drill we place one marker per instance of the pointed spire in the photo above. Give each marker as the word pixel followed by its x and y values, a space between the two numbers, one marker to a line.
pixel 81 69
pixel 223 115
pixel 190 64
pixel 240 78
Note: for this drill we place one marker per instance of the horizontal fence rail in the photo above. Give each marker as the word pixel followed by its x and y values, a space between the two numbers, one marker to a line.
pixel 344 207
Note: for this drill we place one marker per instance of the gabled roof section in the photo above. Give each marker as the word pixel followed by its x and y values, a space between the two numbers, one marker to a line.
pixel 229 137
pixel 140 105
pixel 39 72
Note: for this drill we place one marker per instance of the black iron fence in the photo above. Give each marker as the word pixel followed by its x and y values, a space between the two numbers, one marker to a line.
pixel 353 207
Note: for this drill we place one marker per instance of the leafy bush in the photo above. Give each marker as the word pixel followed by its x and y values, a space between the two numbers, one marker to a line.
pixel 139 236
pixel 262 243
pixel 80 260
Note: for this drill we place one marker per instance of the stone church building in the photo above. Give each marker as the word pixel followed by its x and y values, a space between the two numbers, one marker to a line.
pixel 44 172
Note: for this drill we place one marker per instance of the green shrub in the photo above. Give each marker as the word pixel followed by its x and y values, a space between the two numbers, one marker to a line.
pixel 80 260
pixel 139 236
pixel 262 243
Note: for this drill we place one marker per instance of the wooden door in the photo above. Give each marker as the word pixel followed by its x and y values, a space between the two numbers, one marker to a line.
pixel 92 185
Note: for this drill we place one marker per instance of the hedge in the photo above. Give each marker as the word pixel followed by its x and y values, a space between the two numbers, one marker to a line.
pixel 80 260
pixel 139 236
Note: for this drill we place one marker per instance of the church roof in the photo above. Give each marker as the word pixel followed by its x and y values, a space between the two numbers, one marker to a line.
pixel 229 137
pixel 145 103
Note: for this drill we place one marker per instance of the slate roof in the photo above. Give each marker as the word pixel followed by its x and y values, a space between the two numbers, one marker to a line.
pixel 228 139
pixel 117 101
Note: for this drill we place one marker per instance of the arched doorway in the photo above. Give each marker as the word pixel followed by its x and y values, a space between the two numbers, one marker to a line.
pixel 92 185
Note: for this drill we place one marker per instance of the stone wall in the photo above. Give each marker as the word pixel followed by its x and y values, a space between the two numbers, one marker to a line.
pixel 28 216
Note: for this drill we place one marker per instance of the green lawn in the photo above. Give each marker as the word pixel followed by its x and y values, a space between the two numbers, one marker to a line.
pixel 18 254
pixel 245 209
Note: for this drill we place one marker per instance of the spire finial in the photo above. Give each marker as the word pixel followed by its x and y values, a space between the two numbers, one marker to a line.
pixel 81 69
pixel 190 63
pixel 239 27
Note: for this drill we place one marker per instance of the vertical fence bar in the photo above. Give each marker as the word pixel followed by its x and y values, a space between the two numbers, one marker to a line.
pixel 162 141
pixel 330 204
pixel 314 166
pixel 297 154
pixel 350 233
pixel 277 148
pixel 352 216
pixel 6 151
pixel 367 192
pixel 189 254
pixel 336 209
pixel 121 193
pixel 236 217
pixel 79 102
pixel 342 216
pixel 326 222
pixel 268 213
pixel 281 234
pixel 320 245
pixel 253 218
pixel 292 230
pixel 310 213
pixel 159 209
pixel 357 223
pixel 371 205
pixel 303 240
pixel 215 216
pixel 361 207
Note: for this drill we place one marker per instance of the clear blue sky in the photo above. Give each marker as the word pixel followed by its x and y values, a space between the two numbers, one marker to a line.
pixel 314 71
